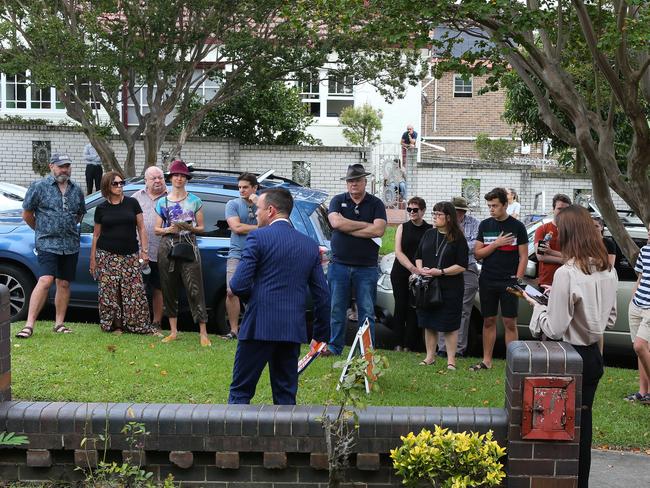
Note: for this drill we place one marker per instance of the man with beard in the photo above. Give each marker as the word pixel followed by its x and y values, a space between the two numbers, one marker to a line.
pixel 53 207
pixel 154 190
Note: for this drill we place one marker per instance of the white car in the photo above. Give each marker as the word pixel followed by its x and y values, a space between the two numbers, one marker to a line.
pixel 11 196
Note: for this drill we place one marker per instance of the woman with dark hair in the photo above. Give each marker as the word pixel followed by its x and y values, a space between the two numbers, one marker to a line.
pixel 407 240
pixel 180 218
pixel 443 254
pixel 609 243
pixel 581 304
pixel 116 260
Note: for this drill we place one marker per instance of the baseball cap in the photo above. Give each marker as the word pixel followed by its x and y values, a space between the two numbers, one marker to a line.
pixel 60 159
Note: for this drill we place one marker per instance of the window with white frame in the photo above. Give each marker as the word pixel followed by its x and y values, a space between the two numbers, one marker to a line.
pixel 208 87
pixel 309 86
pixel 141 97
pixel 41 98
pixel 340 86
pixel 462 86
pixel 340 94
pixel 84 93
pixel 15 91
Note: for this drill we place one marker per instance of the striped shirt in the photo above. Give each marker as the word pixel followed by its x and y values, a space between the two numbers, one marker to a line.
pixel 641 297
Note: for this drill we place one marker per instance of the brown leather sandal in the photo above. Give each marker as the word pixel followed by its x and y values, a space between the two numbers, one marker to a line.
pixel 25 333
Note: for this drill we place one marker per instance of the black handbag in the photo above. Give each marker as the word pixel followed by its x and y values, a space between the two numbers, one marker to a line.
pixel 425 290
pixel 183 251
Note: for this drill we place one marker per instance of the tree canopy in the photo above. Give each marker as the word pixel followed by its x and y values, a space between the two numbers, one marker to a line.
pixel 151 59
pixel 540 40
pixel 262 115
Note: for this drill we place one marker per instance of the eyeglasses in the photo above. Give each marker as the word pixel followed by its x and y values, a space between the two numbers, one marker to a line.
pixel 251 214
pixel 412 210
pixel 118 183
pixel 356 210
pixel 64 200
pixel 438 214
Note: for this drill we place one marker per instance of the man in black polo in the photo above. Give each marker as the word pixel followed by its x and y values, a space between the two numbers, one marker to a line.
pixel 359 221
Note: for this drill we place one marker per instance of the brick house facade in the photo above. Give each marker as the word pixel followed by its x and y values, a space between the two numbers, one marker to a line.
pixel 454 113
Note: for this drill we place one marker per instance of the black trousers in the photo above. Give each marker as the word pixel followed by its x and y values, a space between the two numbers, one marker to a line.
pixel 406 320
pixel 93 175
pixel 251 358
pixel 592 371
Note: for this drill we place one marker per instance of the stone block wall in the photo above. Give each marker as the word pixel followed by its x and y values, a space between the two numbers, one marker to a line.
pixel 210 445
pixel 328 164
pixel 438 180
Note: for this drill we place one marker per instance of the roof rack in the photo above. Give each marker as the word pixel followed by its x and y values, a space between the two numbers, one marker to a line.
pixel 267 175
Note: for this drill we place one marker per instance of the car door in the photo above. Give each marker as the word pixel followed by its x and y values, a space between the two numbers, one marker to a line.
pixel 214 245
pixel 83 290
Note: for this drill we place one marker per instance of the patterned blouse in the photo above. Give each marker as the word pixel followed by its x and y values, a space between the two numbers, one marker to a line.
pixel 57 215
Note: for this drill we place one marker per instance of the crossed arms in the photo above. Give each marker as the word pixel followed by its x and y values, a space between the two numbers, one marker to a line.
pixel 356 228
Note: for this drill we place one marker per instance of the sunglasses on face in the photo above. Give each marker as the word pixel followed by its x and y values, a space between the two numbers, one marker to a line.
pixel 412 210
pixel 115 184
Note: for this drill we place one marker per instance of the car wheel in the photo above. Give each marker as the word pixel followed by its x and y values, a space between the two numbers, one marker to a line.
pixel 20 284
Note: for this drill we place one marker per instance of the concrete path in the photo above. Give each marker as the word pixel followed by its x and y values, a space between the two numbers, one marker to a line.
pixel 615 469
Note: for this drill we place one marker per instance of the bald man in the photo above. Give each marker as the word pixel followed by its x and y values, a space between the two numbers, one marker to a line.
pixel 154 190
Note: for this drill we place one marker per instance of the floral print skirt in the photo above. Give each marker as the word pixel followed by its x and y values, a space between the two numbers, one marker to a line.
pixel 123 300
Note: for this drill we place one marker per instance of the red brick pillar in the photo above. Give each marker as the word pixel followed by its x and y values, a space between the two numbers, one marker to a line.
pixel 543 393
pixel 5 346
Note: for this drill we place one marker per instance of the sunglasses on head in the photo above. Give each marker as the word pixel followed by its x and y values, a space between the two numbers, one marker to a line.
pixel 118 183
pixel 412 209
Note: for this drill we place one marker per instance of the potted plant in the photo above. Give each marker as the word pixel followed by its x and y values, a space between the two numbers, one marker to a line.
pixel 446 459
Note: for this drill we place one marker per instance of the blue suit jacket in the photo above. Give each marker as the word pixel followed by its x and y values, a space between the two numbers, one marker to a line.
pixel 278 269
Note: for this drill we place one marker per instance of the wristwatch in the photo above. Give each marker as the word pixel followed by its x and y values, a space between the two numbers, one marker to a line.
pixel 442 271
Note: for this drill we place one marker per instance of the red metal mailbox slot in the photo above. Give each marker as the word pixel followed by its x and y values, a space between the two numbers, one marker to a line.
pixel 548 408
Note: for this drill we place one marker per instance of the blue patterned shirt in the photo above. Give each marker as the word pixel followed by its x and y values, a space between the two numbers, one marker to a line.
pixel 56 215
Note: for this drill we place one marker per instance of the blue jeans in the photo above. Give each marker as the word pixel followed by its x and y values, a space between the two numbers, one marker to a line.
pixel 342 279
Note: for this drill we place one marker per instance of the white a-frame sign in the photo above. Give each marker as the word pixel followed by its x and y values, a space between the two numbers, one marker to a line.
pixel 363 341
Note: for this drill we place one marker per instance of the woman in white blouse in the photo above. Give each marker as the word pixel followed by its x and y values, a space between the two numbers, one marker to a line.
pixel 581 304
pixel 514 207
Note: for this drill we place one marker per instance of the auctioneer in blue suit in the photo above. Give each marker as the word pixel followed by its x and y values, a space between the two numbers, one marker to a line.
pixel 278 269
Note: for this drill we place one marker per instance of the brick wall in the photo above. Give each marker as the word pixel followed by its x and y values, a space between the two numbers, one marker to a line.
pixel 438 180
pixel 463 117
pixel 328 164
pixel 271 446
pixel 540 463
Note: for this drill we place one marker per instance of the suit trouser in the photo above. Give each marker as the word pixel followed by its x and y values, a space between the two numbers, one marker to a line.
pixel 252 357
pixel 592 371
pixel 471 287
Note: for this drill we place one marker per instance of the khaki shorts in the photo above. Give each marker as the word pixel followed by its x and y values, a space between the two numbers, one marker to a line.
pixel 639 319
pixel 231 267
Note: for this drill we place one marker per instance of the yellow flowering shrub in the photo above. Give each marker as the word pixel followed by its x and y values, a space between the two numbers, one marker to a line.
pixel 448 459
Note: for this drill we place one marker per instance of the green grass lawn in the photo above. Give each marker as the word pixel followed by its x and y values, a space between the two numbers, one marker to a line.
pixel 388 241
pixel 92 366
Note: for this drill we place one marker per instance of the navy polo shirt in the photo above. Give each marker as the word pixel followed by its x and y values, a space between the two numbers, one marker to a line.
pixel 351 250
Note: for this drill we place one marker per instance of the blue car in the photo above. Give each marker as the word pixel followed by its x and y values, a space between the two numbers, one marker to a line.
pixel 19 266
